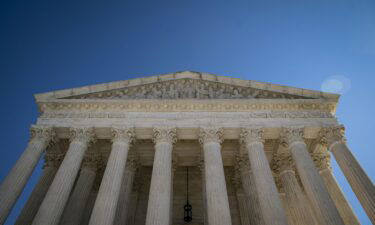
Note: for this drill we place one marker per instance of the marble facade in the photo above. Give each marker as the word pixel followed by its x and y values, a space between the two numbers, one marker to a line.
pixel 117 153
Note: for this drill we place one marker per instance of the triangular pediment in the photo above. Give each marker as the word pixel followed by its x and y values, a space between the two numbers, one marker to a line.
pixel 186 85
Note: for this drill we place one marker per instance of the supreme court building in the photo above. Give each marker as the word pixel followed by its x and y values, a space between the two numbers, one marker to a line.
pixel 186 148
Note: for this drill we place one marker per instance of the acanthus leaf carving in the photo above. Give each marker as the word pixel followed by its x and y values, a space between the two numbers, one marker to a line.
pixel 123 134
pixel 251 135
pixel 210 134
pixel 332 135
pixel 82 134
pixel 165 134
pixel 291 135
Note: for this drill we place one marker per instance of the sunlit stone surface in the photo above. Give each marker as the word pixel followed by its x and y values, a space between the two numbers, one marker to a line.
pixel 121 150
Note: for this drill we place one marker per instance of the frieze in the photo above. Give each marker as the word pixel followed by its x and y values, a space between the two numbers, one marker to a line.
pixel 187 89
pixel 119 115
pixel 186 106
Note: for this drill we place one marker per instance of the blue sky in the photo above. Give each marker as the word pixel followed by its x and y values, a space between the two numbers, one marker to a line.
pixel 49 45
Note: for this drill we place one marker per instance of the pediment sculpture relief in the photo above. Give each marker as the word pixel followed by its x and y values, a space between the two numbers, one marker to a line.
pixel 188 89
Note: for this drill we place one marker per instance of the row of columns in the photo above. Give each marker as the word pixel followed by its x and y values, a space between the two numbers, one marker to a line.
pixel 115 180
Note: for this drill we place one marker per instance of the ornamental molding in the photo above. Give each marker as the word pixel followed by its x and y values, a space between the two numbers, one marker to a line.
pixel 122 134
pixel 251 135
pixel 165 134
pixel 188 105
pixel 243 115
pixel 82 134
pixel 291 135
pixel 332 135
pixel 210 134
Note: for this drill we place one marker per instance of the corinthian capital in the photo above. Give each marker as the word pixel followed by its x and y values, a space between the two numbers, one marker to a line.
pixel 123 134
pixel 165 134
pixel 210 134
pixel 282 162
pixel 290 135
pixel 44 133
pixel 329 136
pixel 82 134
pixel 251 134
pixel 322 160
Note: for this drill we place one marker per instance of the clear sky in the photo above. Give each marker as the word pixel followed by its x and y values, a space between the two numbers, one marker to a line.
pixel 49 45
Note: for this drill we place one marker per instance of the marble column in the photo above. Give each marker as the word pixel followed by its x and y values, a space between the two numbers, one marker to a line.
pixel 269 201
pixel 298 205
pixel 159 202
pixel 361 184
pixel 174 167
pixel 104 211
pixel 204 195
pixel 76 205
pixel 57 196
pixel 243 207
pixel 216 191
pixel 123 208
pixel 248 185
pixel 317 193
pixel 322 162
pixel 18 176
pixel 52 162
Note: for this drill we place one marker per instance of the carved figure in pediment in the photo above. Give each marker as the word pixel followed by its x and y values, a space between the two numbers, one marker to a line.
pixel 236 94
pixel 202 91
pixel 190 89
pixel 141 93
pixel 173 93
pixel 155 93
pixel 254 94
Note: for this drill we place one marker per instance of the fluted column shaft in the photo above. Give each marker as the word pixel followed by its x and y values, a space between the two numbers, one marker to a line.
pixel 311 180
pixel 269 201
pixel 204 195
pixel 243 208
pixel 216 191
pixel 106 202
pixel 37 195
pixel 126 190
pixel 298 205
pixel 159 202
pixel 248 185
pixel 17 178
pixel 321 159
pixel 76 205
pixel 354 173
pixel 57 196
pixel 89 206
pixel 342 205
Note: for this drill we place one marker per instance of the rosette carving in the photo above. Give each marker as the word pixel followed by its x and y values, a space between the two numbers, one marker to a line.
pixel 165 134
pixel 123 134
pixel 291 135
pixel 211 134
pixel 329 136
pixel 251 134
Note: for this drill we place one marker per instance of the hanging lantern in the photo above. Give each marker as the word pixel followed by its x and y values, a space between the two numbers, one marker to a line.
pixel 188 215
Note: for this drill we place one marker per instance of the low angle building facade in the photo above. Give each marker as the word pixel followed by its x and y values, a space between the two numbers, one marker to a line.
pixel 187 148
